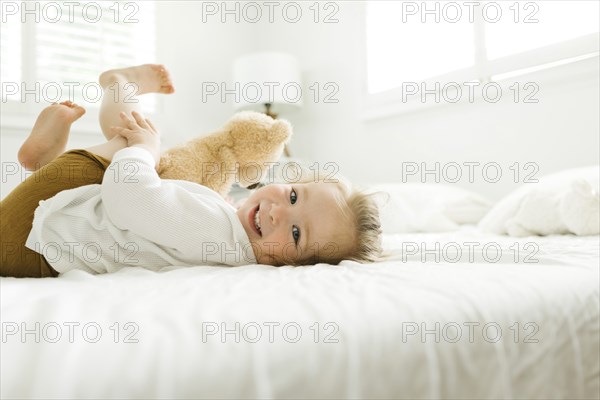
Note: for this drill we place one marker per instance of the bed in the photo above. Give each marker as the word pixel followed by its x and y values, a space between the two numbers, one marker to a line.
pixel 518 320
pixel 474 300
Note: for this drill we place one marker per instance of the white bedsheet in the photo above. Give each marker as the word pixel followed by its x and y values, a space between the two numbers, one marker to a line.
pixel 372 311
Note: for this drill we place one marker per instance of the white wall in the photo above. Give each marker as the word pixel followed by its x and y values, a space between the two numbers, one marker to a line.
pixel 196 53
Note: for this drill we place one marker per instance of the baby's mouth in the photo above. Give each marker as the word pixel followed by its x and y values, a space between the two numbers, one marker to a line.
pixel 255 220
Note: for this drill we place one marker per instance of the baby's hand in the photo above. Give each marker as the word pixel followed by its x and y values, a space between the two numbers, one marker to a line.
pixel 140 132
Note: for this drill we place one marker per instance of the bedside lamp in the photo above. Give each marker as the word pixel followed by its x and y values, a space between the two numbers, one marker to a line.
pixel 269 82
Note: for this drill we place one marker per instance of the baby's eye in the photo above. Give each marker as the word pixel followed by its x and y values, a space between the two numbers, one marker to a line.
pixel 296 234
pixel 293 196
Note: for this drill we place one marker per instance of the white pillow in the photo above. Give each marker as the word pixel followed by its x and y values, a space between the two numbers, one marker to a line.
pixel 561 203
pixel 423 207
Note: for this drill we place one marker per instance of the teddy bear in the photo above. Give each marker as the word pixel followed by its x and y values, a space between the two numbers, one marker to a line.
pixel 240 152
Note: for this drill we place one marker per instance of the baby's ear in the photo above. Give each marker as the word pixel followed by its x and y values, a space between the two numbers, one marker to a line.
pixel 280 132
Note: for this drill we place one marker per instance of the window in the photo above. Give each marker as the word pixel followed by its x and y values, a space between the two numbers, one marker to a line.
pixel 399 51
pixel 54 51
pixel 557 21
pixel 474 41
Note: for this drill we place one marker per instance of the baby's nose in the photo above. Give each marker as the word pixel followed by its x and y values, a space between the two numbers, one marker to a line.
pixel 276 214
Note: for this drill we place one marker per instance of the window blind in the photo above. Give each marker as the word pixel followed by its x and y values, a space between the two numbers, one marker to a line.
pixel 10 50
pixel 72 51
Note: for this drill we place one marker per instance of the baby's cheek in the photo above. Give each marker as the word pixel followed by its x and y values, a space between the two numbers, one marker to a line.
pixel 239 203
pixel 272 247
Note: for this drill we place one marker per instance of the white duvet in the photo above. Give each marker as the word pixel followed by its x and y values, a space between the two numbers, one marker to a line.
pixel 386 330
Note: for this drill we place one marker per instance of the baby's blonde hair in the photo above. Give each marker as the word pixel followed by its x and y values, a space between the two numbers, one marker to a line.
pixel 359 208
pixel 365 214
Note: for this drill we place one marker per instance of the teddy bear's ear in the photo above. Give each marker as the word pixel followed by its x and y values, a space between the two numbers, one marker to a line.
pixel 281 131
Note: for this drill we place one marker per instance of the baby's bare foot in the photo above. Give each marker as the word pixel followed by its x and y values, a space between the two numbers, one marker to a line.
pixel 48 138
pixel 150 78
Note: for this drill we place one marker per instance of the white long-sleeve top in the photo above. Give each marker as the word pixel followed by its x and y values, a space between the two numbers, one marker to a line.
pixel 136 219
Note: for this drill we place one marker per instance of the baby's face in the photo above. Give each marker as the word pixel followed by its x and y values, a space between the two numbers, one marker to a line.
pixel 286 223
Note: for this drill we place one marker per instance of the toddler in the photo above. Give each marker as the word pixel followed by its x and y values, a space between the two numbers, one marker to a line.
pixel 105 207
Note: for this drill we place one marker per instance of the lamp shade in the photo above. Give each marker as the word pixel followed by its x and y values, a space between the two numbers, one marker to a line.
pixel 267 78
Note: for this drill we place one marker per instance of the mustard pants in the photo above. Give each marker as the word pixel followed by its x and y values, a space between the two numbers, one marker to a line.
pixel 70 170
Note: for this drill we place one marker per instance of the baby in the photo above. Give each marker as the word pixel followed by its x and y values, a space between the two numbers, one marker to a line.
pixel 105 207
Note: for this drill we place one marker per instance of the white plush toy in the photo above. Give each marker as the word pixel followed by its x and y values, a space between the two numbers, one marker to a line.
pixel 579 209
pixel 561 203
